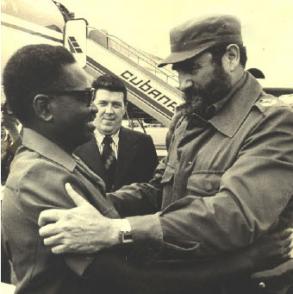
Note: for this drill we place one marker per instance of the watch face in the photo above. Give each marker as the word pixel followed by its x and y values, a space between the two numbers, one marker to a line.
pixel 125 237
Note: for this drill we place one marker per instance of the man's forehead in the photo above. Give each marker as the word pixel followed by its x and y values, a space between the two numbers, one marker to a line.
pixel 104 94
pixel 75 76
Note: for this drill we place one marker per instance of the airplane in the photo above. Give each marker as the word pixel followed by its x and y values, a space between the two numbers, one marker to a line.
pixel 153 92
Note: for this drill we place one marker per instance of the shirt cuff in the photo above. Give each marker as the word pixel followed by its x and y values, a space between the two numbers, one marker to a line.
pixel 146 227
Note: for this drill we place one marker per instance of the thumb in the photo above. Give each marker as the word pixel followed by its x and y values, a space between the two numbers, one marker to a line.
pixel 77 199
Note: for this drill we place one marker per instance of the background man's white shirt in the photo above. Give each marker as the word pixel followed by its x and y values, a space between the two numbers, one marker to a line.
pixel 114 145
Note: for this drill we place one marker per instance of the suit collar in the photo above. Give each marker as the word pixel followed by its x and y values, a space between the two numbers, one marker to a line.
pixel 229 119
pixel 35 141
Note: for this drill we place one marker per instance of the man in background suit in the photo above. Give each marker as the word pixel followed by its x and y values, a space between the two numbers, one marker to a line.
pixel 119 155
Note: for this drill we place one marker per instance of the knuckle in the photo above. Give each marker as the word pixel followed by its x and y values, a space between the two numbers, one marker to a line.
pixel 66 242
pixel 70 246
pixel 64 228
pixel 61 237
pixel 68 216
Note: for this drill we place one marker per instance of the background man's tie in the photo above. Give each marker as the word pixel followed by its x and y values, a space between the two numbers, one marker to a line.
pixel 109 161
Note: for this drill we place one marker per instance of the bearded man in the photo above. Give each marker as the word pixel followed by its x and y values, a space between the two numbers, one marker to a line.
pixel 227 179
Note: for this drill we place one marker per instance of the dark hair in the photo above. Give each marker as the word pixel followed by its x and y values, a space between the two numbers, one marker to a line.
pixel 219 50
pixel 110 83
pixel 31 70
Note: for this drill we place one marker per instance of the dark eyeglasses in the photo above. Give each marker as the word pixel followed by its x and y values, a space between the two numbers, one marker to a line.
pixel 87 95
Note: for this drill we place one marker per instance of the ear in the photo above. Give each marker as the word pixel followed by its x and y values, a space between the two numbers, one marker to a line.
pixel 231 59
pixel 41 106
pixel 125 108
pixel 126 114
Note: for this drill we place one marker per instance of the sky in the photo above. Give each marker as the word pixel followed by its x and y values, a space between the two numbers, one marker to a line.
pixel 267 26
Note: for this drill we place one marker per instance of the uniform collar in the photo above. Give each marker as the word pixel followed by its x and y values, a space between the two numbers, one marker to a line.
pixel 35 141
pixel 230 117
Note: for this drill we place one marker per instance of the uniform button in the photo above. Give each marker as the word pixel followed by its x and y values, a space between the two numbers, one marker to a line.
pixel 262 285
pixel 209 186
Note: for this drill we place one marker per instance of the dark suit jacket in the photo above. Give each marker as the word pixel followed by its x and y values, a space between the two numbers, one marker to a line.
pixel 137 158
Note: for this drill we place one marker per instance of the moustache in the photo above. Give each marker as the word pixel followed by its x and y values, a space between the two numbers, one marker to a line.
pixel 192 96
pixel 195 102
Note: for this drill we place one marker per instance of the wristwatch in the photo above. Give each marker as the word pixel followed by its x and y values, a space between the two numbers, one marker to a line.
pixel 125 235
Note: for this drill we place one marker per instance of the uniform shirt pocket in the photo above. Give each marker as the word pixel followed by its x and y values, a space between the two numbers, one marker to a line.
pixel 204 183
pixel 185 249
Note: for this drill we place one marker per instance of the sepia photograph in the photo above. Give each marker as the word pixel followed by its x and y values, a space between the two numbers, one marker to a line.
pixel 146 147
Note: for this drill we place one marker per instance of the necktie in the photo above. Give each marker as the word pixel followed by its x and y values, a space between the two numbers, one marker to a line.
pixel 109 160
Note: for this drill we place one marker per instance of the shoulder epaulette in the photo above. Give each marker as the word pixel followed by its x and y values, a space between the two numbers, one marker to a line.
pixel 267 101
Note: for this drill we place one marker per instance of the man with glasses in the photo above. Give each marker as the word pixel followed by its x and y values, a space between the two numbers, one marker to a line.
pixel 52 97
pixel 227 180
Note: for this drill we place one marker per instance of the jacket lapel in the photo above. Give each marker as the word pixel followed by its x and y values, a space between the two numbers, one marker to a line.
pixel 126 153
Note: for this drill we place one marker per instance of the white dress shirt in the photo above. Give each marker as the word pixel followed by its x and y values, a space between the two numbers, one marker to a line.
pixel 100 137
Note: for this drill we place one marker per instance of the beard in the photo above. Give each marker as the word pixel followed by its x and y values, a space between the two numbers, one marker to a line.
pixel 199 98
